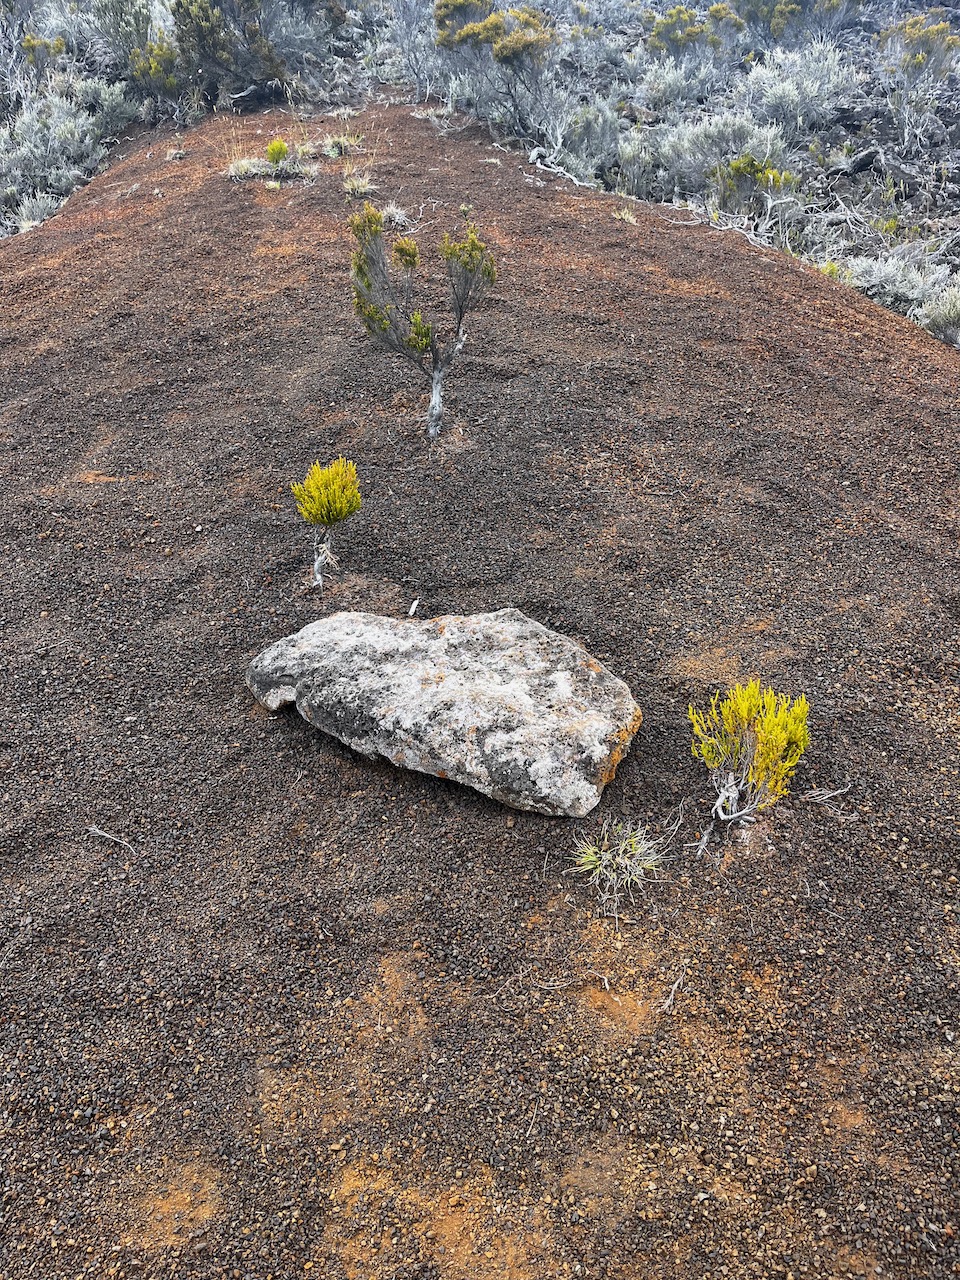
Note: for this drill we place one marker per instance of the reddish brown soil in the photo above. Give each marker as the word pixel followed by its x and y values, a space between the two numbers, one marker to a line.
pixel 320 1017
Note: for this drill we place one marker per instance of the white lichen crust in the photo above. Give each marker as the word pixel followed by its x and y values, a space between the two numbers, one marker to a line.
pixel 495 701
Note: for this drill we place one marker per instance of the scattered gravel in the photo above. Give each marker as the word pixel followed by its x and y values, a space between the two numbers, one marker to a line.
pixel 268 1009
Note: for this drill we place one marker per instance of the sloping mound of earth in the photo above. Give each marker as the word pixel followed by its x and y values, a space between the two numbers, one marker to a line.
pixel 272 1010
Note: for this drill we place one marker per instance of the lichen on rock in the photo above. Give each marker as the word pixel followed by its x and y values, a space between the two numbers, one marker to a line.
pixel 495 701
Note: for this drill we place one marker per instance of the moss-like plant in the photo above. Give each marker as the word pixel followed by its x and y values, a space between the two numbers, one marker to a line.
pixel 326 497
pixel 384 297
pixel 751 739
pixel 277 151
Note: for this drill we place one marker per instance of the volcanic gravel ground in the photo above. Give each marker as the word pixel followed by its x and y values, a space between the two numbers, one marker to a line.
pixel 272 1010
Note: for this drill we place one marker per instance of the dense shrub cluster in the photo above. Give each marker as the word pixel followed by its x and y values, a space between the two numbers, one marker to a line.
pixel 828 128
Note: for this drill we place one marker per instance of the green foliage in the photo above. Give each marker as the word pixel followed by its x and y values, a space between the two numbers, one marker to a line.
pixel 328 495
pixel 681 29
pixel 513 36
pixel 367 226
pixel 741 183
pixel 923 46
pixel 153 69
pixel 405 252
pixel 383 296
pixel 751 739
pixel 203 39
pixel 277 151
pixel 421 335
pixel 39 52
pixel 225 48
pixel 780 18
pixel 470 255
pixel 676 30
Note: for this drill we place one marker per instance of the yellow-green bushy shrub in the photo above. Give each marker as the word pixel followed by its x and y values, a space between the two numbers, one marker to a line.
pixel 751 739
pixel 277 151
pixel 328 494
pixel 326 497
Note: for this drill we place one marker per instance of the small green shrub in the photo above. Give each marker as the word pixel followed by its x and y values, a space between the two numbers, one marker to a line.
pixel 742 184
pixel 751 739
pixel 41 52
pixel 277 151
pixel 922 47
pixel 513 36
pixel 681 29
pixel 153 69
pixel 326 497
pixel 385 303
pixel 225 49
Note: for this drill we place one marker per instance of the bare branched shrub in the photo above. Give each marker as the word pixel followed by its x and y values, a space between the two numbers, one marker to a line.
pixel 407 47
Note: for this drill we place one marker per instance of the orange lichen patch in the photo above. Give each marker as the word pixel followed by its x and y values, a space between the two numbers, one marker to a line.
pixel 180 1208
pixel 621 745
pixel 843 1112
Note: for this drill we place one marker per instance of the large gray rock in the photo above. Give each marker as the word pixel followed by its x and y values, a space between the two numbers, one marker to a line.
pixel 495 700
